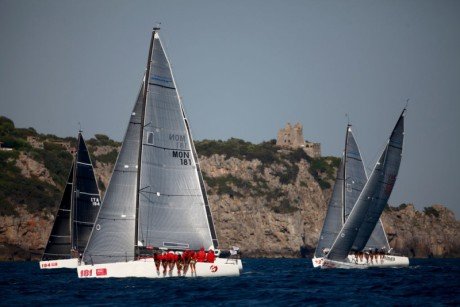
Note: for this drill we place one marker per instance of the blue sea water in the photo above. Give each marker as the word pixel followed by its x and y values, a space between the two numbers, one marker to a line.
pixel 263 282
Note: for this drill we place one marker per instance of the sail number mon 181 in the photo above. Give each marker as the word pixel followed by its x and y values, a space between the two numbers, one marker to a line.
pixel 183 156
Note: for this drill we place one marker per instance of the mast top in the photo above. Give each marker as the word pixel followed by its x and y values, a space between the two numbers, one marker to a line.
pixel 157 26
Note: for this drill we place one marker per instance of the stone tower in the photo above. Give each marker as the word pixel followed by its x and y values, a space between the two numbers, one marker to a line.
pixel 292 137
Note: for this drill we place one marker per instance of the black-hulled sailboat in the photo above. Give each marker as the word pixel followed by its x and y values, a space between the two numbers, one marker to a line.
pixel 361 232
pixel 156 199
pixel 77 212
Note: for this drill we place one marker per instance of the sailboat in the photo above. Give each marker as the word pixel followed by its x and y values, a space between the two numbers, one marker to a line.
pixel 364 218
pixel 350 180
pixel 77 212
pixel 156 199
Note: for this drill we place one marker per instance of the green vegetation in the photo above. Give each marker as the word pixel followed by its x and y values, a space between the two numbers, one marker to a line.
pixel 223 184
pixel 109 157
pixel 431 211
pixel 32 192
pixel 285 207
pixel 102 140
pixel 16 189
pixel 323 170
pixel 266 152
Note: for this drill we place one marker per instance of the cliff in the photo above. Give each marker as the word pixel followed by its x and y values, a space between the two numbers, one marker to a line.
pixel 269 201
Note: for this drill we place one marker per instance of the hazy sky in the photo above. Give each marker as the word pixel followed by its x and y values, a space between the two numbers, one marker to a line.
pixel 245 69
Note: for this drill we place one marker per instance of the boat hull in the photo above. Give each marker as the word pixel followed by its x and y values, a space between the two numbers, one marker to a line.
pixel 146 268
pixel 71 263
pixel 387 261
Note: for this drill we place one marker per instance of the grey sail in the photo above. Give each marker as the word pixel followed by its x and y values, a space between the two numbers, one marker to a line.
pixel 355 175
pixel 59 242
pixel 385 183
pixel 86 199
pixel 355 179
pixel 378 239
pixel 113 235
pixel 172 207
pixel 366 212
pixel 333 220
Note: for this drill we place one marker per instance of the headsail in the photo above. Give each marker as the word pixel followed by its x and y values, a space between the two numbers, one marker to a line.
pixel 333 220
pixel 113 235
pixel 372 200
pixel 59 242
pixel 86 197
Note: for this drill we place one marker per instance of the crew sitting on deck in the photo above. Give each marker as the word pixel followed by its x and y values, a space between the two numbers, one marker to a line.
pixel 201 255
pixel 210 256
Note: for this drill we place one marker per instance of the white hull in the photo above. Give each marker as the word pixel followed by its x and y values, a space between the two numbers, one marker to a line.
pixel 387 261
pixel 59 264
pixel 146 268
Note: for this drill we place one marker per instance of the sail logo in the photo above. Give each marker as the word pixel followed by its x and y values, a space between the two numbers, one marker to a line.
pixel 95 201
pixel 101 272
pixel 213 268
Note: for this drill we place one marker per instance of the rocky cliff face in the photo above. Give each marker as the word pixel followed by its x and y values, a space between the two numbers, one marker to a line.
pixel 273 208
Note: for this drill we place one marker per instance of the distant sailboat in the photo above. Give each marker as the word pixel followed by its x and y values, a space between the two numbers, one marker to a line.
pixel 363 219
pixel 344 195
pixel 156 198
pixel 77 212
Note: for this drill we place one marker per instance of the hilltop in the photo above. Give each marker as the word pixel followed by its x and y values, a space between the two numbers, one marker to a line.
pixel 269 201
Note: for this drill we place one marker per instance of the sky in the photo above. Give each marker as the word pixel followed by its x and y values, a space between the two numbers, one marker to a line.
pixel 246 68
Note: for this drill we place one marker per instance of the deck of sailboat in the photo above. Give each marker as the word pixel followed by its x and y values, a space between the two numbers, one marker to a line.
pixel 146 268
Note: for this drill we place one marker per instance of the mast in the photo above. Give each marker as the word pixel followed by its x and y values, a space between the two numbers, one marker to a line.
pixel 141 136
pixel 73 207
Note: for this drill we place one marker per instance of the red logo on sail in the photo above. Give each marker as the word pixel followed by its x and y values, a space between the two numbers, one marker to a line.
pixel 101 272
pixel 213 268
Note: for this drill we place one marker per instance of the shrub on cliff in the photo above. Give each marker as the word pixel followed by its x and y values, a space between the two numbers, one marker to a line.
pixel 431 211
pixel 266 152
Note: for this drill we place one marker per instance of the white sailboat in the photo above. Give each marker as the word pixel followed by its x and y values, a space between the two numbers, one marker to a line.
pixel 77 212
pixel 156 197
pixel 357 229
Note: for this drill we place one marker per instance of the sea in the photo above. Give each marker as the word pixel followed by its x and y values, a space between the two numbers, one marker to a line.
pixel 264 282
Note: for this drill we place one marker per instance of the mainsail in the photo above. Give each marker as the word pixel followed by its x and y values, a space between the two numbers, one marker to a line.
pixel 366 212
pixel 77 212
pixel 156 195
pixel 355 179
pixel 86 199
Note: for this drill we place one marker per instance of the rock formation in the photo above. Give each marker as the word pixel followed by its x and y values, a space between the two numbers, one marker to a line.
pixel 271 206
